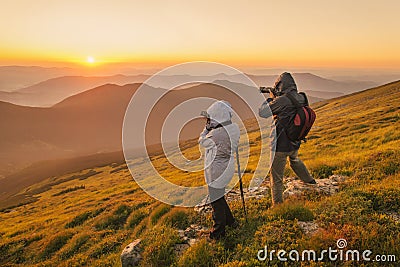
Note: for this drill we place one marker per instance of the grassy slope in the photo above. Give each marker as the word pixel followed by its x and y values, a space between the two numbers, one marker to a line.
pixel 89 218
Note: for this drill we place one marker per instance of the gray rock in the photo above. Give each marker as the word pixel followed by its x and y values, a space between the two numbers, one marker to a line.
pixel 131 255
pixel 192 235
pixel 338 178
pixel 181 233
pixel 190 232
pixel 309 228
pixel 193 241
pixel 328 186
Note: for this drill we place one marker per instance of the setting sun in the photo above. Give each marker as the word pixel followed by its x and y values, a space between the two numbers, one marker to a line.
pixel 90 60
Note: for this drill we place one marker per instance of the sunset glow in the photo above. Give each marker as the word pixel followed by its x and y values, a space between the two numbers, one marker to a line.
pixel 90 60
pixel 257 33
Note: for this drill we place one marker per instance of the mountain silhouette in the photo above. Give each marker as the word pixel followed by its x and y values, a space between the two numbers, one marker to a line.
pixel 311 82
pixel 52 91
pixel 49 92
pixel 91 122
pixel 80 125
pixel 16 77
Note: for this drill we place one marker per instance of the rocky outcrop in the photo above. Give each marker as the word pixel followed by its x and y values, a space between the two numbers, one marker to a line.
pixel 192 234
pixel 309 228
pixel 328 186
pixel 131 255
pixel 189 237
pixel 293 187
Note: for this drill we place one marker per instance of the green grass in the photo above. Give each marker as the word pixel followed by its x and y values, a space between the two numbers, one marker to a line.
pixel 108 246
pixel 159 246
pixel 75 246
pixel 323 171
pixel 136 217
pixel 202 254
pixel 114 221
pixel 159 212
pixel 179 218
pixel 70 189
pixel 293 210
pixel 55 244
pixel 81 218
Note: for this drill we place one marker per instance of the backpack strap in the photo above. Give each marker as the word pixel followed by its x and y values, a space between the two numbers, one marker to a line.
pixel 305 97
pixel 294 100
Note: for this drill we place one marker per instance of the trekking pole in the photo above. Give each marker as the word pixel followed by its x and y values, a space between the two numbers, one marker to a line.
pixel 241 183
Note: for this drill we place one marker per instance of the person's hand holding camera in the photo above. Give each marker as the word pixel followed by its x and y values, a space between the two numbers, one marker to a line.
pixel 208 124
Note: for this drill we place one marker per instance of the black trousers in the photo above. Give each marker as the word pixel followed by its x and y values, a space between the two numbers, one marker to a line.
pixel 222 214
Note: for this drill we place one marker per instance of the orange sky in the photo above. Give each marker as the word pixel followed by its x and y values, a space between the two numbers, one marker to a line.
pixel 249 33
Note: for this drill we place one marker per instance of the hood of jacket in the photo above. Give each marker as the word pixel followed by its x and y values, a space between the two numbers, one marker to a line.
pixel 285 83
pixel 219 112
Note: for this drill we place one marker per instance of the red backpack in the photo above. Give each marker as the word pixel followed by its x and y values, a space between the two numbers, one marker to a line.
pixel 300 124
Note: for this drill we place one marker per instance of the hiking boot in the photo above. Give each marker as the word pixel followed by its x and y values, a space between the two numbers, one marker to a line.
pixel 217 235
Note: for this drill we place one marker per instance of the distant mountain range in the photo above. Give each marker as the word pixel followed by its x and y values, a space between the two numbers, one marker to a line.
pixel 52 91
pixel 311 82
pixel 83 124
pixel 16 77
pixel 91 122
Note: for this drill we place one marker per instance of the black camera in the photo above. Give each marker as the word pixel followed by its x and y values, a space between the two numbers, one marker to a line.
pixel 267 90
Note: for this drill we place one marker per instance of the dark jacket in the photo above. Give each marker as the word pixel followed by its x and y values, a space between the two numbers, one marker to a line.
pixel 283 110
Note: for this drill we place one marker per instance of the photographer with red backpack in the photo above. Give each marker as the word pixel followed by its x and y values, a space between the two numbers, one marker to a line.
pixel 293 120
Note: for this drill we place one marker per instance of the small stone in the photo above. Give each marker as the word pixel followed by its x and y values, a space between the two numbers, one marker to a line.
pixel 309 228
pixel 131 255
pixel 192 241
pixel 190 232
pixel 181 233
pixel 338 178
